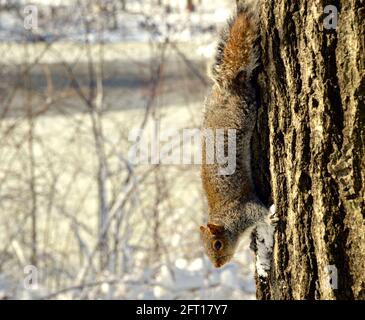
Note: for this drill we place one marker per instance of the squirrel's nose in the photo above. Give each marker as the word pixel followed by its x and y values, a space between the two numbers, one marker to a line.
pixel 218 263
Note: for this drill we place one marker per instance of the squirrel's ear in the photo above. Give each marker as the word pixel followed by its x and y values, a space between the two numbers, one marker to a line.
pixel 215 229
pixel 202 228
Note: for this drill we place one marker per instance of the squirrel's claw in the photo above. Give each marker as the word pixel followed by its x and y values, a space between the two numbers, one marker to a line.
pixel 272 217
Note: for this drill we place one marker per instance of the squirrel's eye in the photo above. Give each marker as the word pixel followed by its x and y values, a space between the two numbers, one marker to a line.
pixel 217 245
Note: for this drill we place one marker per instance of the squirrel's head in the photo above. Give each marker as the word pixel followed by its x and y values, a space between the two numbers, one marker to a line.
pixel 219 243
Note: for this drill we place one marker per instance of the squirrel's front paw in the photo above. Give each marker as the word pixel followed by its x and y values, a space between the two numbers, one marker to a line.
pixel 273 218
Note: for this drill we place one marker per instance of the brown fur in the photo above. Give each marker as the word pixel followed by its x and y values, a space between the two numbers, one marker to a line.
pixel 236 53
pixel 236 50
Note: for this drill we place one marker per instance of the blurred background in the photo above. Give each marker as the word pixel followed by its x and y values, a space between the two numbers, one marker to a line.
pixel 78 219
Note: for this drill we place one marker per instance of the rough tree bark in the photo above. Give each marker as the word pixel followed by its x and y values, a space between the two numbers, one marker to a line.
pixel 310 147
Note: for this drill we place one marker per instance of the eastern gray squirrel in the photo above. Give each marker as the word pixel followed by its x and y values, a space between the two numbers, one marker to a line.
pixel 232 203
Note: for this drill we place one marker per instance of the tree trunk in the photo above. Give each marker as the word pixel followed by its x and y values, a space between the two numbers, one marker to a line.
pixel 309 143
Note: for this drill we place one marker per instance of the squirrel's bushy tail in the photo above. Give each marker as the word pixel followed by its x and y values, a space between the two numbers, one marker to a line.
pixel 236 53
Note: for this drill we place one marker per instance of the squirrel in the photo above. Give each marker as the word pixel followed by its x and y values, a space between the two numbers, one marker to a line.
pixel 232 203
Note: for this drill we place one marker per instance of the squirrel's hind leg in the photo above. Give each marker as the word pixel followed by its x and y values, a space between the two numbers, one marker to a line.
pixel 263 242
